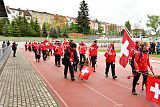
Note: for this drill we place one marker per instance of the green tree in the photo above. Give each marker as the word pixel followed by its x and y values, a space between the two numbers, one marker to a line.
pixel 15 29
pixel 44 30
pixel 65 34
pixel 128 25
pixel 83 18
pixel 37 28
pixel 6 30
pixel 3 21
pixel 48 26
pixel 58 32
pixel 153 23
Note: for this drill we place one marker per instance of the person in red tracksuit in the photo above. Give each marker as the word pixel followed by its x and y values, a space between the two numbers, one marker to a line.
pixel 29 47
pixel 133 51
pixel 110 60
pixel 26 45
pixel 65 46
pixel 141 64
pixel 82 51
pixel 58 52
pixel 93 54
pixel 44 51
pixel 36 50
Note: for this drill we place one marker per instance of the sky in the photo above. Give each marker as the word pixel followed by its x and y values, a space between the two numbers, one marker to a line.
pixel 111 11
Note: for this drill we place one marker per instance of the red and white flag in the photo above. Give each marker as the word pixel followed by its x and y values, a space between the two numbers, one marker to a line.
pixel 53 40
pixel 153 89
pixel 127 45
pixel 47 44
pixel 86 72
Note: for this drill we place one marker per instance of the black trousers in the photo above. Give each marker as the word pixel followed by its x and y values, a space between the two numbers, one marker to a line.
pixel 26 48
pixel 58 59
pixel 44 55
pixel 29 48
pixel 14 53
pixel 50 51
pixel 74 67
pixel 93 59
pixel 70 69
pixel 157 51
pixel 112 68
pixel 82 56
pixel 136 78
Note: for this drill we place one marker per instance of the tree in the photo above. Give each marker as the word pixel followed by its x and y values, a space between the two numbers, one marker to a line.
pixel 83 18
pixel 128 25
pixel 37 28
pixel 73 28
pixel 65 34
pixel 3 21
pixel 48 26
pixel 53 33
pixel 100 28
pixel 15 29
pixel 153 23
pixel 136 29
pixel 6 30
pixel 58 32
pixel 44 30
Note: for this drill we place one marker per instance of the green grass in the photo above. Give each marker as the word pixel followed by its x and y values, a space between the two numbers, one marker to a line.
pixel 39 39
pixel 154 55
pixel 117 51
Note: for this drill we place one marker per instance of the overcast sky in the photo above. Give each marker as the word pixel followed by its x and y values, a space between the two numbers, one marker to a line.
pixel 112 11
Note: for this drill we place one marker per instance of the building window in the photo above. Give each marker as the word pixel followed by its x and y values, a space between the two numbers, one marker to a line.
pixel 51 15
pixel 13 11
pixel 28 18
pixel 40 24
pixel 51 21
pixel 40 14
pixel 34 18
pixel 34 13
pixel 13 17
pixel 46 20
pixel 40 19
pixel 46 15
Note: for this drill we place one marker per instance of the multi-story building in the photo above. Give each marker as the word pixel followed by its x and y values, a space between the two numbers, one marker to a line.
pixel 42 17
pixel 59 21
pixel 14 13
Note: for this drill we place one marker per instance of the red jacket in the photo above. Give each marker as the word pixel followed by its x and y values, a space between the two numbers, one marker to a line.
pixel 58 50
pixel 110 56
pixel 65 46
pixel 93 50
pixel 82 49
pixel 29 45
pixel 25 45
pixel 36 46
pixel 133 50
pixel 143 63
pixel 43 47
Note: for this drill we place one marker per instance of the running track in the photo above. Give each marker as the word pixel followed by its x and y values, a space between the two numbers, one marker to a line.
pixel 98 91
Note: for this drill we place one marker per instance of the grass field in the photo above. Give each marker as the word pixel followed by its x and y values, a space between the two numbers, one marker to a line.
pixel 39 39
pixel 154 55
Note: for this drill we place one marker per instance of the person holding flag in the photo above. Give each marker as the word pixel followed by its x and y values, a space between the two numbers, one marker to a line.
pixel 141 63
pixel 110 60
pixel 93 54
pixel 82 51
pixel 70 56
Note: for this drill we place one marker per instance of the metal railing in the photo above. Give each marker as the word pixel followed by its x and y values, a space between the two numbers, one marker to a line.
pixel 4 52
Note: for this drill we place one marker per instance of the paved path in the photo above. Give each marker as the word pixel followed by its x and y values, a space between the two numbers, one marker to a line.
pixel 20 86
pixel 98 91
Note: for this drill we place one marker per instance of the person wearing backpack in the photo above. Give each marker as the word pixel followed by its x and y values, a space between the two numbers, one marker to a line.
pixel 140 63
pixel 133 51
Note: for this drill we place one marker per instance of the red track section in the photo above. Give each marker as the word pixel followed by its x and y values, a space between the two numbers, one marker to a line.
pixel 98 91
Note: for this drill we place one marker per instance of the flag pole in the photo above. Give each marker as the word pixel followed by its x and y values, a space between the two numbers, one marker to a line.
pixel 128 32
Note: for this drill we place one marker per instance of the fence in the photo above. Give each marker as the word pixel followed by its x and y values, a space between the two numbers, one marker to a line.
pixel 4 52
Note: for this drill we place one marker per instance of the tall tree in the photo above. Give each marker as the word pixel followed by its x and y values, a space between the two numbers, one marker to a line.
pixel 83 18
pixel 37 28
pixel 58 32
pixel 44 30
pixel 6 30
pixel 128 25
pixel 15 29
pixel 3 21
pixel 153 22
pixel 65 34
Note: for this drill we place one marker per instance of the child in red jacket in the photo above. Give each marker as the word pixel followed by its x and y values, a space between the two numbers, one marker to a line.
pixel 141 63
pixel 110 60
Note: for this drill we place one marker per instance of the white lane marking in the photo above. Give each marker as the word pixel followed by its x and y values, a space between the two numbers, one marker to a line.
pixel 49 84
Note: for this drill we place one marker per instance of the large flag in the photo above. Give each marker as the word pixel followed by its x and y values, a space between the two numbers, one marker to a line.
pixel 153 89
pixel 86 72
pixel 127 45
pixel 47 44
